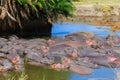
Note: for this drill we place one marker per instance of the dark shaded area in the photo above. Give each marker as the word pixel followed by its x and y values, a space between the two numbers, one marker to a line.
pixel 33 28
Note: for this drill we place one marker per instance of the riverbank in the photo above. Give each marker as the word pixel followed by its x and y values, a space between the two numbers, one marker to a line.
pixel 91 11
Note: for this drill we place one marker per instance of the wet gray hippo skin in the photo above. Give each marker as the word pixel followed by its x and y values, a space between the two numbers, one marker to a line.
pixel 75 52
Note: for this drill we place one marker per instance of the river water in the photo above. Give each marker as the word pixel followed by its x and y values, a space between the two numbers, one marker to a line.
pixel 63 28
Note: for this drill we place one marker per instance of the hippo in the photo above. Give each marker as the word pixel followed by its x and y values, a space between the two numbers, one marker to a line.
pixel 79 36
pixel 106 61
pixel 14 58
pixel 55 40
pixel 36 63
pixel 65 44
pixel 82 70
pixel 87 63
pixel 5 65
pixel 58 47
pixel 112 39
pixel 13 38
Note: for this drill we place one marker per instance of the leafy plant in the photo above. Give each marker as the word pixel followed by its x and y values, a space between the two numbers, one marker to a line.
pixel 52 8
pixel 14 12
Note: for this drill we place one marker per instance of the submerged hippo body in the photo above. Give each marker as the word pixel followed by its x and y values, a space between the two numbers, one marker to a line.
pixel 58 47
pixel 80 36
pixel 104 60
pixel 82 70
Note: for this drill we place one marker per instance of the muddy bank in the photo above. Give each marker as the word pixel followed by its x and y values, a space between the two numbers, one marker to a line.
pixel 76 52
pixel 90 13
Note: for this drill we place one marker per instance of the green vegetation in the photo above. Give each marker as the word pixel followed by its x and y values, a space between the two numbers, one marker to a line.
pixel 51 7
pixel 19 76
pixel 14 12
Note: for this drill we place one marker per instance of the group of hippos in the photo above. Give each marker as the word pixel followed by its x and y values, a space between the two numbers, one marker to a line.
pixel 79 52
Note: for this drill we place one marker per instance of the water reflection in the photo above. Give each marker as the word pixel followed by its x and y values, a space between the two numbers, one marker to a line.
pixel 42 73
pixel 62 29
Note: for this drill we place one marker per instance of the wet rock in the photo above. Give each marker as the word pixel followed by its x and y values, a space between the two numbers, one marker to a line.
pixel 82 70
